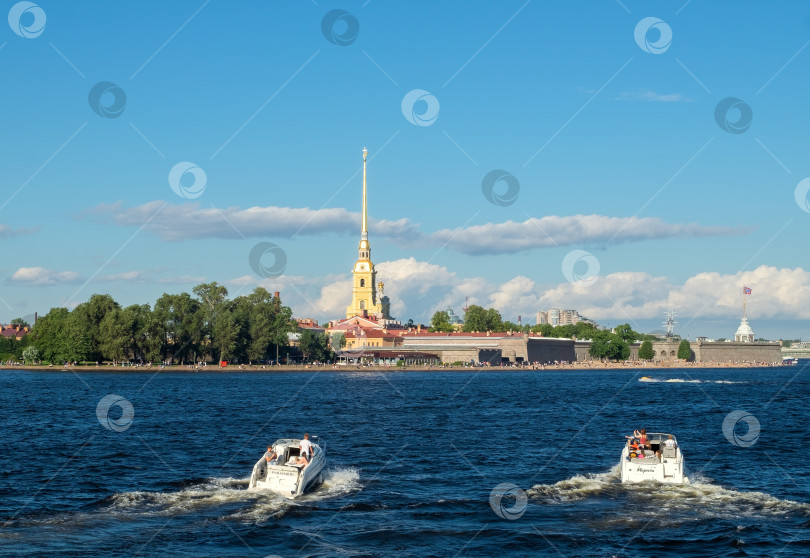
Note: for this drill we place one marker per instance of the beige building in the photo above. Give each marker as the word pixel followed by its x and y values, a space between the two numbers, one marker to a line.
pixel 558 317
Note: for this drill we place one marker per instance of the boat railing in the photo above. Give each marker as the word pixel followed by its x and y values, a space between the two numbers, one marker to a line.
pixel 320 442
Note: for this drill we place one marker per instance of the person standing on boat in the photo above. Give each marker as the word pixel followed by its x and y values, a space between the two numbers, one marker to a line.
pixel 670 443
pixel 306 446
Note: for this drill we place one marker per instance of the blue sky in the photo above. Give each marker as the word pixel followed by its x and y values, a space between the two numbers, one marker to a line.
pixel 614 145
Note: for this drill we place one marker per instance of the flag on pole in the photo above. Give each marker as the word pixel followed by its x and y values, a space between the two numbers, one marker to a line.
pixel 746 290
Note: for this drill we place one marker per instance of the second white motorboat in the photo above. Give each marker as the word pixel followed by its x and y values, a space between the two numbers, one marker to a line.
pixel 662 461
pixel 283 476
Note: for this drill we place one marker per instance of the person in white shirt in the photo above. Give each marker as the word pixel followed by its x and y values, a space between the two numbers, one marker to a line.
pixel 306 446
pixel 669 442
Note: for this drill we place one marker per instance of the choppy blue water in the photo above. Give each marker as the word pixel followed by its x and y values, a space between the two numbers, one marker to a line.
pixel 413 459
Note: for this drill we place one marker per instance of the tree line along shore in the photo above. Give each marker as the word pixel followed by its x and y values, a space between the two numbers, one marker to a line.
pixel 206 327
pixel 202 326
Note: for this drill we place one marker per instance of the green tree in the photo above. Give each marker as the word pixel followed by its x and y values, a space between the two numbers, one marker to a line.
pixel 212 297
pixel 494 322
pixel 585 330
pixel 626 333
pixel 546 330
pixel 79 338
pixel 179 321
pixel 685 350
pixel 283 324
pixel 566 331
pixel 30 355
pixel 315 346
pixel 645 352
pixel 20 322
pixel 50 335
pixel 610 346
pixel 512 326
pixel 441 321
pixel 475 319
pixel 225 333
pixel 113 337
pixel 337 341
pixel 86 318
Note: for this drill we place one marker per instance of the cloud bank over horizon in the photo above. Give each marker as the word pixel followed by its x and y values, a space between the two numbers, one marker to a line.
pixel 191 222
pixel 417 289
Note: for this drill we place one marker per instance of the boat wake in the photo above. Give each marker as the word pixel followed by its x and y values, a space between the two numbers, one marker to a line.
pixel 663 503
pixel 208 494
pixel 577 487
pixel 684 381
pixel 229 499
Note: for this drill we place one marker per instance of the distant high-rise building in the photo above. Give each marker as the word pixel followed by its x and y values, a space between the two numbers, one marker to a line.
pixel 557 317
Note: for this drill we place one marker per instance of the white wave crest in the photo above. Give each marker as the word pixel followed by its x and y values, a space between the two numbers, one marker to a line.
pixel 213 492
pixel 699 498
pixel 685 381
pixel 577 487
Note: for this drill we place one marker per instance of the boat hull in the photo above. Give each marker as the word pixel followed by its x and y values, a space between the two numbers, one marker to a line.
pixel 668 468
pixel 286 479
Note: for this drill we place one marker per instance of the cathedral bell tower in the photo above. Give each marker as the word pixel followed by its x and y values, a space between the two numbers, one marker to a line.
pixel 364 280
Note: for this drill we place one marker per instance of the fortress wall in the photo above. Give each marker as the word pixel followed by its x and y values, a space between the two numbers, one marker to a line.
pixel 514 348
pixel 545 349
pixel 582 354
pixel 459 355
pixel 670 348
pixel 738 352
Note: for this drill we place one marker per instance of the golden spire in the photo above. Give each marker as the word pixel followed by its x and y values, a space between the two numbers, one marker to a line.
pixel 364 231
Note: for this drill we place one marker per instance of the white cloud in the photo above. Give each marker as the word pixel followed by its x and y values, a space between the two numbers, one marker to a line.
pixel 39 276
pixel 510 237
pixel 127 276
pixel 417 289
pixel 189 221
pixel 8 232
pixel 174 223
pixel 651 96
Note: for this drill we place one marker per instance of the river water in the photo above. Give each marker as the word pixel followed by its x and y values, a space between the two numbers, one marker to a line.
pixel 414 459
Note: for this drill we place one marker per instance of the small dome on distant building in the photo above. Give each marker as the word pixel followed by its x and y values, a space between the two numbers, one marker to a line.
pixel 744 333
pixel 453 318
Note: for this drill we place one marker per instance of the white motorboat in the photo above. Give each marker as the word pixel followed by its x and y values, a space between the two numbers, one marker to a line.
pixel 660 462
pixel 283 475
